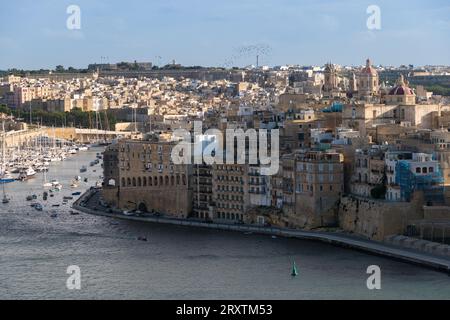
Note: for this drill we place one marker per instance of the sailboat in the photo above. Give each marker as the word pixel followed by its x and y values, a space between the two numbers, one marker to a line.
pixel 5 198
pixel 5 176
pixel 46 183
pixel 294 271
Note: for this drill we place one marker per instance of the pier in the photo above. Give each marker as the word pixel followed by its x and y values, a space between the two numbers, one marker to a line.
pixel 88 199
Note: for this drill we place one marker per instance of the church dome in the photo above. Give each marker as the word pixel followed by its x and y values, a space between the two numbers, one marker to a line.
pixel 401 88
pixel 368 69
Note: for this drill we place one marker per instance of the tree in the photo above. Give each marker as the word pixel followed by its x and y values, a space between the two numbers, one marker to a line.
pixel 59 68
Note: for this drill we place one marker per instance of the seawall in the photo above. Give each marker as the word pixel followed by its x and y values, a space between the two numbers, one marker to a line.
pixel 344 240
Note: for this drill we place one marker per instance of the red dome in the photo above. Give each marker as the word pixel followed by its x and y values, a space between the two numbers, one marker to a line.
pixel 368 69
pixel 401 90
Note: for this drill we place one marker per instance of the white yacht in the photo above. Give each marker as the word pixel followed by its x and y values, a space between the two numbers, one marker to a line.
pixel 26 173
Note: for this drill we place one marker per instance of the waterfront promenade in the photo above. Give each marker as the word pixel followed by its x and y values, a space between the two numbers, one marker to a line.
pixel 88 203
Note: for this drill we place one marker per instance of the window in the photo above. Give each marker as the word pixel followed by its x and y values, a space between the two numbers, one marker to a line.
pixel 417 170
pixel 431 170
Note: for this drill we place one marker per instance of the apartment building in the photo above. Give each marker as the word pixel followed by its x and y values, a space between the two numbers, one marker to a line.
pixel 312 183
pixel 230 191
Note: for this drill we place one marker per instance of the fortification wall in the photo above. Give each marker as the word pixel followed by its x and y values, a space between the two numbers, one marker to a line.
pixel 377 219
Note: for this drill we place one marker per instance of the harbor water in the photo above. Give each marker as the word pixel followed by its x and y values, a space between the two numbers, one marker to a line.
pixel 37 247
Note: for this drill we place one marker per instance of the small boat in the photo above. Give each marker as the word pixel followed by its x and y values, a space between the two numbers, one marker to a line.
pixel 83 169
pixel 38 207
pixel 54 215
pixel 68 198
pixel 74 213
pixel 142 239
pixel 5 199
pixel 294 271
pixel 47 185
pixel 55 205
pixel 26 174
pixel 6 177
pixel 56 185
pixel 29 198
pixel 85 179
pixel 15 170
pixel 76 193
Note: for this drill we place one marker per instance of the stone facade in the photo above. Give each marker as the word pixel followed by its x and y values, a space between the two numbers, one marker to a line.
pixel 312 183
pixel 377 219
pixel 146 179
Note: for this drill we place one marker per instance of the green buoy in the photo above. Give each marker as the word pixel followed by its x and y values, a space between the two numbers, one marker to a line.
pixel 294 272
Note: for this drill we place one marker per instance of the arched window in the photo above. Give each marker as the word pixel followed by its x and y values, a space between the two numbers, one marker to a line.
pixel 134 182
pixel 167 180
pixel 150 181
pixel 172 180
pixel 161 180
pixel 144 181
pixel 155 182
pixel 178 180
pixel 128 182
pixel 184 180
pixel 139 181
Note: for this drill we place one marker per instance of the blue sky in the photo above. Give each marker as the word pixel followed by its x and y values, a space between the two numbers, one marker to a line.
pixel 33 33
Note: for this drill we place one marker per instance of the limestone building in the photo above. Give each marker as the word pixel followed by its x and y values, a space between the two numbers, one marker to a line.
pixel 140 175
